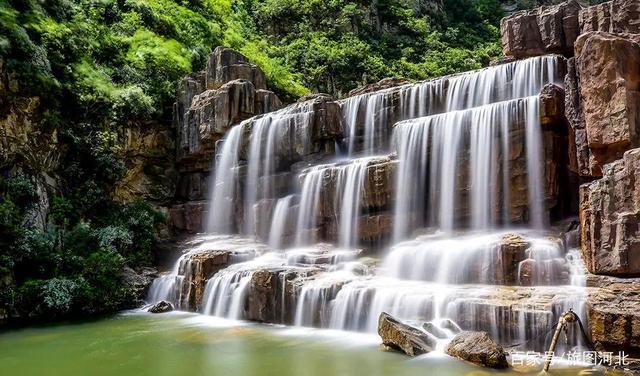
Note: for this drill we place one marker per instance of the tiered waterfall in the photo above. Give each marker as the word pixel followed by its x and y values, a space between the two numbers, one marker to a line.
pixel 440 165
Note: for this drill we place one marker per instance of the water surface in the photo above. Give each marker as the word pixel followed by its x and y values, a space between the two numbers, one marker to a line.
pixel 189 344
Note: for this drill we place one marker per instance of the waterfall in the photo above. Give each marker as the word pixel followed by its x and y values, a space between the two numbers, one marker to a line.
pixel 224 183
pixel 364 115
pixel 309 205
pixel 279 222
pixel 466 207
pixel 273 137
pixel 347 179
pixel 535 175
pixel 437 143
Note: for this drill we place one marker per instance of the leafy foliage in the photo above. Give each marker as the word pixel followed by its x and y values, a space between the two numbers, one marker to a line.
pixel 74 265
pixel 100 65
pixel 340 44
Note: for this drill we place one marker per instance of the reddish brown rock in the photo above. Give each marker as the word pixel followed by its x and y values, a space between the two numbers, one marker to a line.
pixel 608 67
pixel 196 271
pixel 614 316
pixel 552 106
pixel 188 217
pixel 261 297
pixel 272 293
pixel 610 218
pixel 617 16
pixel 544 30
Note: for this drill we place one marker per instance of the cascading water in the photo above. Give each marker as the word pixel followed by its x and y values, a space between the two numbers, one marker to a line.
pixel 347 179
pixel 364 115
pixel 458 145
pixel 433 146
pixel 271 137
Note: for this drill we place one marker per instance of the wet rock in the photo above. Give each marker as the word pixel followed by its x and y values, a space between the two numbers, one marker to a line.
pixel 450 325
pixel 552 106
pixel 544 30
pixel 205 257
pixel 434 330
pixel 478 348
pixel 197 270
pixel 271 295
pixel 161 307
pixel 375 227
pixel 402 337
pixel 262 294
pixel 610 218
pixel 385 83
pixel 614 315
pixel 512 249
pixel 608 67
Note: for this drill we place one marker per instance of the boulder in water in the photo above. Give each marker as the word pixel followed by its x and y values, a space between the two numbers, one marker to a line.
pixel 399 336
pixel 161 307
pixel 450 325
pixel 478 348
pixel 434 330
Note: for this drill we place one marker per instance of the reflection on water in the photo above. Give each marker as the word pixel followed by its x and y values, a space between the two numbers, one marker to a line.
pixel 185 344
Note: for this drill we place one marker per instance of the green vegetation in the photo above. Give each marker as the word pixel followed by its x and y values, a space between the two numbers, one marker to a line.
pixel 76 264
pixel 100 66
pixel 338 45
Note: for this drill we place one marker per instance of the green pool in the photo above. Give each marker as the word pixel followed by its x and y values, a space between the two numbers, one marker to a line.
pixel 187 344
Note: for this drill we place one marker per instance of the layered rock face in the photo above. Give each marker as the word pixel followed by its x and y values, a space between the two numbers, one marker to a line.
pixel 609 218
pixel 617 16
pixel 602 101
pixel 614 313
pixel 609 69
pixel 544 30
pixel 603 107
pixel 229 90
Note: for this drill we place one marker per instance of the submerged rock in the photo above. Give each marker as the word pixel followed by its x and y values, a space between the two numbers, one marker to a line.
pixel 161 307
pixel 399 336
pixel 433 329
pixel 478 348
